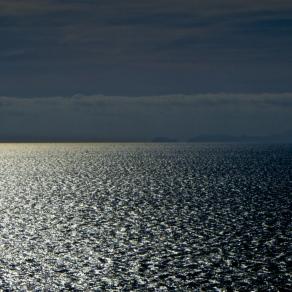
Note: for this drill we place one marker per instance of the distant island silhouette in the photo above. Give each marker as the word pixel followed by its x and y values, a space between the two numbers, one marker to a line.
pixel 286 137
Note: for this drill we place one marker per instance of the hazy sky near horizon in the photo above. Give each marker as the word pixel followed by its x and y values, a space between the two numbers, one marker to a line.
pixel 118 70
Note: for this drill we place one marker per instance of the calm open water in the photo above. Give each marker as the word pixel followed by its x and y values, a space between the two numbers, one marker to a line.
pixel 146 217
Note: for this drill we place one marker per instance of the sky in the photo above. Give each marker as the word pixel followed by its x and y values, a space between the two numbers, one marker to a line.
pixel 110 70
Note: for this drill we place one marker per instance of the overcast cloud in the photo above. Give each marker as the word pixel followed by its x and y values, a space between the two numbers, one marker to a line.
pixel 111 118
pixel 221 56
pixel 53 47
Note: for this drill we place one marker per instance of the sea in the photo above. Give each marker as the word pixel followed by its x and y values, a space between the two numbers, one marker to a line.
pixel 145 217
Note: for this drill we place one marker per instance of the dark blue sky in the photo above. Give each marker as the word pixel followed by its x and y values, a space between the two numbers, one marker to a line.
pixel 53 50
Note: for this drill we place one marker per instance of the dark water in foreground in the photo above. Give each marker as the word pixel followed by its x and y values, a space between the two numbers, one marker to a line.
pixel 149 217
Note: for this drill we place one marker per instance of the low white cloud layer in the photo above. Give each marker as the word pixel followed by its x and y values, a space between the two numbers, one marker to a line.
pixel 142 118
pixel 264 100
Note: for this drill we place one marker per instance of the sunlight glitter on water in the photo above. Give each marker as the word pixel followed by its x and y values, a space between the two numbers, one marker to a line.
pixel 145 217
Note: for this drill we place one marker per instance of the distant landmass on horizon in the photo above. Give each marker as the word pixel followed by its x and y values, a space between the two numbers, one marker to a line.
pixel 203 138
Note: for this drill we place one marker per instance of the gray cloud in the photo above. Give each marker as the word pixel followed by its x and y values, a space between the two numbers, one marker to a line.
pixel 144 117
pixel 54 47
pixel 257 100
pixel 20 7
pixel 198 6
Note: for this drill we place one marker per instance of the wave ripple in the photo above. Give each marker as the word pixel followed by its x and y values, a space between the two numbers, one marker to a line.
pixel 148 217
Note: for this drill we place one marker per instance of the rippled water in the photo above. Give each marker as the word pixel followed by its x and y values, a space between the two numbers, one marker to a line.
pixel 147 217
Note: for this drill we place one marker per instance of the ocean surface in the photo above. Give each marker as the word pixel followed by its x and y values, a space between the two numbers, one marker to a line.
pixel 145 217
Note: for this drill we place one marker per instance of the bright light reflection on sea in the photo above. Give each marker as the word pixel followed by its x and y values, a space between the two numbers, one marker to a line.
pixel 149 217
